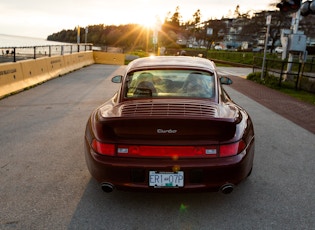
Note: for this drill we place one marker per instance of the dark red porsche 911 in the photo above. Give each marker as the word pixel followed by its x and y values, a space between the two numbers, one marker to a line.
pixel 170 127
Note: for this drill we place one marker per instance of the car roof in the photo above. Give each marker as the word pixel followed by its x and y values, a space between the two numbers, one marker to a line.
pixel 185 62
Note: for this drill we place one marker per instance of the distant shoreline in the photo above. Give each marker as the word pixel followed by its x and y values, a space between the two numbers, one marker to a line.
pixel 10 41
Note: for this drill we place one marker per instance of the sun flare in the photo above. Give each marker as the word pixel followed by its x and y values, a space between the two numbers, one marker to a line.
pixel 148 22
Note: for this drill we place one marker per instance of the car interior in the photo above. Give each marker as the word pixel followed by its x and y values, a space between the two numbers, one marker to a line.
pixel 170 83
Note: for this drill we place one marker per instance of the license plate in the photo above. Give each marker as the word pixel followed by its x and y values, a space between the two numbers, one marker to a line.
pixel 166 179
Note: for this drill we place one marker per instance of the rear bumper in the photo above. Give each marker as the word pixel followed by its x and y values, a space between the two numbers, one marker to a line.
pixel 199 174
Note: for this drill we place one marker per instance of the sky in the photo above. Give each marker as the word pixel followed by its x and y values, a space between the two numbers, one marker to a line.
pixel 33 18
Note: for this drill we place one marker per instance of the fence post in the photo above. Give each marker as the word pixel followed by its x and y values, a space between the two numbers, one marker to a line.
pixel 298 77
pixel 14 52
pixel 266 68
pixel 281 73
pixel 253 65
pixel 313 58
pixel 34 52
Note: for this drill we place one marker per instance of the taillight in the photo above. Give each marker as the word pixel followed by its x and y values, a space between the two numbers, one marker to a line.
pixel 167 151
pixel 232 149
pixel 103 148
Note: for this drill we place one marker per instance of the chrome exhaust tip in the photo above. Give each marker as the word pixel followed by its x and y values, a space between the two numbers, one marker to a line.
pixel 227 188
pixel 107 187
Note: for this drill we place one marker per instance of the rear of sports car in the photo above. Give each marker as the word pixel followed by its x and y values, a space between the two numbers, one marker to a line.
pixel 169 146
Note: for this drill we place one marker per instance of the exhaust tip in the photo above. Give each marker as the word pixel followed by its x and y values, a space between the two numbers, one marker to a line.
pixel 227 188
pixel 107 187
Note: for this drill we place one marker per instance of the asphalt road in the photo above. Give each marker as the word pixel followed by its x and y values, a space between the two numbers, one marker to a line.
pixel 45 183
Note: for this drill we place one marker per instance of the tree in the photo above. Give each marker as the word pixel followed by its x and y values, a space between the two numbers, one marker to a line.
pixel 278 22
pixel 171 29
pixel 216 25
pixel 192 29
pixel 197 17
pixel 238 14
pixel 173 22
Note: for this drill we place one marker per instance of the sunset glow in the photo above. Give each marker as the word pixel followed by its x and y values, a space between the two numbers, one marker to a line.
pixel 40 20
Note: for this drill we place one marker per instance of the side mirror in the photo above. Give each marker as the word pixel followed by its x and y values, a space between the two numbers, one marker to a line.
pixel 117 79
pixel 225 81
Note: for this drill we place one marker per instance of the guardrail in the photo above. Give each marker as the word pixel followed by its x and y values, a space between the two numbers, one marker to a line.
pixel 14 54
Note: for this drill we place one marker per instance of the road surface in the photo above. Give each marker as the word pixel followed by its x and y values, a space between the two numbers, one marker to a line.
pixel 45 183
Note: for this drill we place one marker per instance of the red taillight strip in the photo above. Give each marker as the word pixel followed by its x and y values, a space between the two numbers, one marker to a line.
pixel 225 150
pixel 233 149
pixel 167 151
pixel 103 148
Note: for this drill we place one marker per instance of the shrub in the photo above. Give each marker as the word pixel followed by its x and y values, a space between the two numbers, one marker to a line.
pixel 269 79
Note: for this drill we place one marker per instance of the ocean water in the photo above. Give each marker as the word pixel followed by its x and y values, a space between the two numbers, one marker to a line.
pixel 8 41
pixel 28 47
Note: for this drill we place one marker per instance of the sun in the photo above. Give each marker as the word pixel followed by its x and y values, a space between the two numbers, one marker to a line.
pixel 150 21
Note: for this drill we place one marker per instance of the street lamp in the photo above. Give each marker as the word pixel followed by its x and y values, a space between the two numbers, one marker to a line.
pixel 78 34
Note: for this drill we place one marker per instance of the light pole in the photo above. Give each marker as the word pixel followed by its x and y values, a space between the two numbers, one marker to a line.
pixel 86 32
pixel 78 34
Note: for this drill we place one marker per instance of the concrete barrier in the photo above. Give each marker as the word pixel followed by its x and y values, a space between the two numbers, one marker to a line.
pixel 56 66
pixel 35 71
pixel 20 75
pixel 11 78
pixel 70 62
pixel 109 58
pixel 78 60
pixel 86 58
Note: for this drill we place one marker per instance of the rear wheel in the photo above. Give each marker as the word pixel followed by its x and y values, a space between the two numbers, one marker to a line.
pixel 250 172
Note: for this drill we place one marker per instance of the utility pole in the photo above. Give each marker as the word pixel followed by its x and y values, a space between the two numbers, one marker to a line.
pixel 294 27
pixel 268 22
pixel 296 39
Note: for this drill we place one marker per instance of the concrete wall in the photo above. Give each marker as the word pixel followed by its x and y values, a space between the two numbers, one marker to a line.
pixel 16 76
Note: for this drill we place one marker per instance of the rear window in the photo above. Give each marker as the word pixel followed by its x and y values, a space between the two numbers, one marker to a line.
pixel 170 83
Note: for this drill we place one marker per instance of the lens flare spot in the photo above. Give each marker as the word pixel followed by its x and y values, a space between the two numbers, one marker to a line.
pixel 176 168
pixel 175 157
pixel 183 208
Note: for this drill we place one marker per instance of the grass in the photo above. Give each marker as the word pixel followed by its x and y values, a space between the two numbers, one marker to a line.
pixel 273 82
pixel 270 80
pixel 299 94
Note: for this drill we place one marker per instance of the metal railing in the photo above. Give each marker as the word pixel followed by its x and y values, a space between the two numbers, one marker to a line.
pixel 14 54
pixel 299 71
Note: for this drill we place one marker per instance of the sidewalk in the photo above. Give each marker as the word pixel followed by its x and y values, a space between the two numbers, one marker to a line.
pixel 299 112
